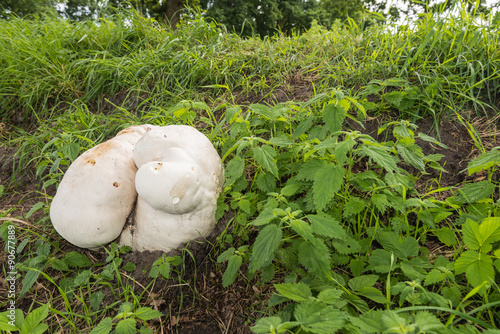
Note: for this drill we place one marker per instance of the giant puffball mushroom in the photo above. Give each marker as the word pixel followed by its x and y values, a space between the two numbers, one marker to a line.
pixel 97 192
pixel 178 182
pixel 176 172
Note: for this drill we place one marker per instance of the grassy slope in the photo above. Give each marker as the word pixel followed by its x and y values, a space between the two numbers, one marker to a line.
pixel 65 88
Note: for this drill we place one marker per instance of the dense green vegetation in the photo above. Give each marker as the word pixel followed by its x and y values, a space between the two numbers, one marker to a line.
pixel 337 221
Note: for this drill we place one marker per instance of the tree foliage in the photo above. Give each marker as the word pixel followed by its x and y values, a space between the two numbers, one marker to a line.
pixel 24 8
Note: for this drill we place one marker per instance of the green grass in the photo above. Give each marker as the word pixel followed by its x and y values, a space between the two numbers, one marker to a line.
pixel 347 253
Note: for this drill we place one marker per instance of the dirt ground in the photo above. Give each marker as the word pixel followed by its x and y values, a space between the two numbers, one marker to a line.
pixel 196 301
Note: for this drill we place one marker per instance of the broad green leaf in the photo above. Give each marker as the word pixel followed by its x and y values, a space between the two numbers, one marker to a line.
pixel 478 268
pixel 33 320
pixel 291 189
pixel 95 300
pixel 393 98
pixel 265 246
pixel 373 294
pixel 447 236
pixel 393 323
pixel 231 272
pixel 35 208
pixel 146 313
pixel 225 255
pixel 489 230
pixel 380 155
pixel 413 155
pixel 484 161
pixel 430 139
pixel 434 276
pixel 330 296
pixel 129 266
pixel 264 155
pixel 380 261
pixel 28 281
pixel 126 326
pixel 265 217
pixel 342 149
pixel 402 248
pixel 380 201
pixel 327 226
pixel 359 282
pixel 234 169
pixel 82 277
pixel 314 256
pixel 298 292
pixel 346 246
pixel 309 169
pixel 271 325
pixel 71 151
pixel 327 182
pixel 428 322
pixel 473 192
pixel 302 127
pixel 4 323
pixel 333 116
pixel 302 228
pixel 77 260
pixel 104 327
pixel 316 318
pixel 353 206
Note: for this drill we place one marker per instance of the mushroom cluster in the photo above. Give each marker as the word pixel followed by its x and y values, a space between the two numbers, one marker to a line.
pixel 172 174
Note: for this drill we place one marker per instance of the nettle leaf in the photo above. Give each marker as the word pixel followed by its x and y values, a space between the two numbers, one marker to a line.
pixel 430 139
pixel 302 228
pixel 126 326
pixel 484 161
pixel 373 294
pixel 478 268
pixel 428 322
pixel 471 234
pixel 104 327
pixel 265 246
pixel 330 296
pixel 380 155
pixel 265 217
pixel 272 325
pixel 434 276
pixel 225 255
pixel 326 226
pixel 264 155
pixel 347 246
pixel 314 256
pixel 380 201
pixel 146 313
pixel 353 207
pixel 298 292
pixel 231 272
pixel 489 230
pixel 413 155
pixel 473 192
pixel 28 281
pixel 393 98
pixel 380 261
pixel 359 282
pixel 403 248
pixel 302 128
pixel 315 317
pixel 333 116
pixel 327 182
pixel 234 169
pixel 342 149
pixel 77 260
pixel 309 169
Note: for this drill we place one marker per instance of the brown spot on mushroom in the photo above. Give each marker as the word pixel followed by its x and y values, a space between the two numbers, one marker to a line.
pixel 116 184
pixel 91 161
pixel 158 165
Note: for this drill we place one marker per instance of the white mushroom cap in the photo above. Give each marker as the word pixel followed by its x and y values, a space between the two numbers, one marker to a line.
pixel 178 182
pixel 97 192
